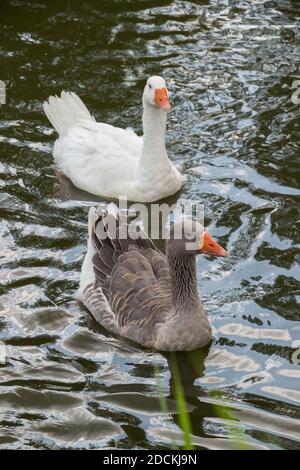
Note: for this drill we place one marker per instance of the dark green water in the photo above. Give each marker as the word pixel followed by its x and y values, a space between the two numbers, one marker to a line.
pixel 234 131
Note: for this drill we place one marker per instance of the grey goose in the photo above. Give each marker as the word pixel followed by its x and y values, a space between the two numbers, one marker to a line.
pixel 134 290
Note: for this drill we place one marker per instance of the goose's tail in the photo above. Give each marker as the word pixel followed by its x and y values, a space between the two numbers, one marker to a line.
pixel 66 111
pixel 87 275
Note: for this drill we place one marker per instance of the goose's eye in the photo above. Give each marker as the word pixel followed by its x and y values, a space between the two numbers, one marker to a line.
pixel 150 86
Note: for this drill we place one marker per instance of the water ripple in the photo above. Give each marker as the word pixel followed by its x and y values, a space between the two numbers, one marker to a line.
pixel 234 132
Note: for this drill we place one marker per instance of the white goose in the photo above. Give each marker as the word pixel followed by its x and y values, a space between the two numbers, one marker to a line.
pixel 113 162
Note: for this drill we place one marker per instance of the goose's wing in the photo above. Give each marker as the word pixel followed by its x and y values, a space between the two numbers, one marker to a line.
pixel 126 138
pixel 98 158
pixel 69 116
pixel 134 278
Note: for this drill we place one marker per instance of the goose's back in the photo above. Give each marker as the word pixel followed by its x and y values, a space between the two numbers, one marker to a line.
pixel 131 295
pixel 98 158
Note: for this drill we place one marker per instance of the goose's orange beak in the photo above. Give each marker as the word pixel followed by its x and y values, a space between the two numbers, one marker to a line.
pixel 211 247
pixel 162 99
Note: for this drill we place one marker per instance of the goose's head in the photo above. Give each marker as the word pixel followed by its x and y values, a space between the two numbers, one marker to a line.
pixel 187 237
pixel 156 93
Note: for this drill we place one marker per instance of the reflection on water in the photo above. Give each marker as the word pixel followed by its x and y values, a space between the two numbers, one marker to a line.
pixel 234 132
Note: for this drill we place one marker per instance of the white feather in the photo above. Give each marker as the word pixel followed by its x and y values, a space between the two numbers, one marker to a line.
pixel 66 111
pixel 87 275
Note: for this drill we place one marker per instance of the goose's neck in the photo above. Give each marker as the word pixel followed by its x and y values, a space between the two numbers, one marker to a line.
pixel 184 282
pixel 154 127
